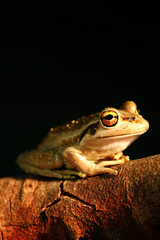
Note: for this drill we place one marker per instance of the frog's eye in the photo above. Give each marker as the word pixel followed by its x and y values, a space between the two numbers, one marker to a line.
pixel 109 118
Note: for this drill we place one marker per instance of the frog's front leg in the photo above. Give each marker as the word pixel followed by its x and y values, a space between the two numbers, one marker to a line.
pixel 79 161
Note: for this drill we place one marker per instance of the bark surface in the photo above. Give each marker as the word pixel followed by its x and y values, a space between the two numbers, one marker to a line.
pixel 126 206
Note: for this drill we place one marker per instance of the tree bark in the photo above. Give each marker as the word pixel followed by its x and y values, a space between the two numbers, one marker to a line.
pixel 126 206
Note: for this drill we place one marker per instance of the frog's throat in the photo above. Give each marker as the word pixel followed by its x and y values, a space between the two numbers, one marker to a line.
pixel 124 135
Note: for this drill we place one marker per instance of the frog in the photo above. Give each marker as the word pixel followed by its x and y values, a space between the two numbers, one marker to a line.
pixel 89 146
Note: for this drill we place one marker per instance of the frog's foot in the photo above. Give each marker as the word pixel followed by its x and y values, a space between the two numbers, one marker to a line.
pixel 120 156
pixel 126 158
pixel 69 174
pixel 103 166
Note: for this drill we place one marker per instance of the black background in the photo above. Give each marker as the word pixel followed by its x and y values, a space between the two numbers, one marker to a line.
pixel 59 66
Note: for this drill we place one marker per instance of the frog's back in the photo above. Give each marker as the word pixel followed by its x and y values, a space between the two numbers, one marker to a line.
pixel 68 133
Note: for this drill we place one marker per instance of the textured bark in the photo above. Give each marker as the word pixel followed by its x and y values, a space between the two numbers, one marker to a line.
pixel 125 207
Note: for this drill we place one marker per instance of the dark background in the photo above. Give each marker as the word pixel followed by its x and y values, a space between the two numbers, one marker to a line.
pixel 59 66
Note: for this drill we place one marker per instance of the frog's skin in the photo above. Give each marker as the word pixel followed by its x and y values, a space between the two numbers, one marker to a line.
pixel 87 146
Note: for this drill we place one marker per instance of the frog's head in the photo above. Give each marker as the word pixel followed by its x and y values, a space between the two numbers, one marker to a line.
pixel 115 129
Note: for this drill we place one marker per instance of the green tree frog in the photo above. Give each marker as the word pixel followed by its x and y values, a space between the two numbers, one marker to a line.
pixel 87 146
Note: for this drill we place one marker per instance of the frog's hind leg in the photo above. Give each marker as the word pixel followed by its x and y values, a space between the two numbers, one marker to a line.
pixel 62 174
pixel 44 163
pixel 48 159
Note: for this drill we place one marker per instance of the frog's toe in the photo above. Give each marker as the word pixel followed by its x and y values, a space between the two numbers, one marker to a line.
pixel 126 158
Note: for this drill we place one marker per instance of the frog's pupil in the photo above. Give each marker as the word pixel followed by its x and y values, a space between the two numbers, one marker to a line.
pixel 109 117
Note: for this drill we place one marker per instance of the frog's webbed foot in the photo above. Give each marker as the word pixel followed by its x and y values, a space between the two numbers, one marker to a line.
pixel 126 158
pixel 117 159
pixel 69 174
pixel 120 156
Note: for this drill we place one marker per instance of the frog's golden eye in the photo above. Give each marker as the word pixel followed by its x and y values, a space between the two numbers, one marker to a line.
pixel 109 118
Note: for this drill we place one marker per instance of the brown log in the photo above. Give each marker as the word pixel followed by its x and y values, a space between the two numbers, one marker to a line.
pixel 126 206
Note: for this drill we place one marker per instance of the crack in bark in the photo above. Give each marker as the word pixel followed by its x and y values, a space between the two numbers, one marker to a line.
pixel 44 218
pixel 10 199
pixel 21 189
pixel 79 200
pixel 2 235
pixel 51 204
pixel 43 214
pixel 55 201
pixel 68 194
